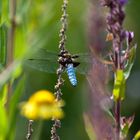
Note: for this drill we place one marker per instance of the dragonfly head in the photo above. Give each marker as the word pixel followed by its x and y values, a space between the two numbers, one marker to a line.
pixel 66 58
pixel 63 53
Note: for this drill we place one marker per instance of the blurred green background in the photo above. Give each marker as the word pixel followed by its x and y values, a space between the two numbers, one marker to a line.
pixel 38 27
pixel 42 23
pixel 131 105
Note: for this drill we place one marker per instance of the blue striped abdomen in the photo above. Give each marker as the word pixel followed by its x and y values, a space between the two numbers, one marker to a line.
pixel 71 74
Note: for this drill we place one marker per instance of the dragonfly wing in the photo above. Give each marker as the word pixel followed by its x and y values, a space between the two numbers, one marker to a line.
pixel 45 55
pixel 46 61
pixel 85 63
pixel 41 65
pixel 43 60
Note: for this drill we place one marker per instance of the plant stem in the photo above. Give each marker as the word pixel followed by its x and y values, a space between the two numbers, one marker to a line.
pixel 11 32
pixel 30 130
pixel 117 110
pixel 114 21
pixel 10 43
pixel 60 70
pixel 117 118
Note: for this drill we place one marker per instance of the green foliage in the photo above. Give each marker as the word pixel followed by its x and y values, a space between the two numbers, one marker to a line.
pixel 10 72
pixel 37 26
pixel 4 12
pixel 137 136
pixel 13 109
pixel 8 118
pixel 130 63
pixel 3 113
pixel 122 75
pixel 89 128
pixel 119 85
pixel 3 40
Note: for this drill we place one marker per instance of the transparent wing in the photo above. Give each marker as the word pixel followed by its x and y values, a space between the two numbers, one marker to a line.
pixel 85 63
pixel 47 62
pixel 42 65
pixel 43 60
pixel 43 54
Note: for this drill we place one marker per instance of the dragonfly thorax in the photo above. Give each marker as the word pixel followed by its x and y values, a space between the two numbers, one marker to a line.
pixel 66 58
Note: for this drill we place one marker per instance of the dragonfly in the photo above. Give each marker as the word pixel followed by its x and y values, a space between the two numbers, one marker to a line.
pixel 46 61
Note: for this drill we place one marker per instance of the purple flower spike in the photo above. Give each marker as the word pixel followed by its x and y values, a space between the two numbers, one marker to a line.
pixel 129 35
pixel 122 2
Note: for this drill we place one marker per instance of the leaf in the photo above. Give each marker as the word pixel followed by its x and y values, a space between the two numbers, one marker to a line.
pixel 38 130
pixel 137 136
pixel 119 85
pixel 13 108
pixel 4 17
pixel 125 125
pixel 23 7
pixel 106 105
pixel 17 72
pixel 3 93
pixel 3 40
pixel 8 73
pixel 3 115
pixel 89 128
pixel 132 55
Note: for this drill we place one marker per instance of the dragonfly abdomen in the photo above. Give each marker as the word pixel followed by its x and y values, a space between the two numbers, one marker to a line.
pixel 71 74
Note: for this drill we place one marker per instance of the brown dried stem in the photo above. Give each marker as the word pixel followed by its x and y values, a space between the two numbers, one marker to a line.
pixel 60 81
pixel 30 130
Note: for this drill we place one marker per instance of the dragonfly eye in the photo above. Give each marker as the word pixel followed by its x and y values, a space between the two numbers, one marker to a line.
pixel 66 55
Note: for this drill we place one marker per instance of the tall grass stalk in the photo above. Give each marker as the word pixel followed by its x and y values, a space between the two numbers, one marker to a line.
pixel 10 43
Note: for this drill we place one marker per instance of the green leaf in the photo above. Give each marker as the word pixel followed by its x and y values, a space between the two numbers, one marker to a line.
pixel 3 94
pixel 13 108
pixel 37 130
pixel 137 136
pixel 17 72
pixel 4 12
pixel 119 85
pixel 23 7
pixel 0 10
pixel 89 128
pixel 3 44
pixel 129 65
pixel 3 115
pixel 8 73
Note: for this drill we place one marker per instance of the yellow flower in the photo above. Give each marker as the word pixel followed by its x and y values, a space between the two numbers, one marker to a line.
pixel 42 105
pixel 29 110
pixel 42 96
